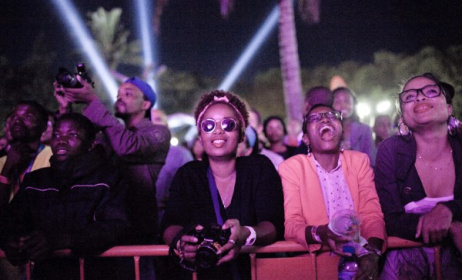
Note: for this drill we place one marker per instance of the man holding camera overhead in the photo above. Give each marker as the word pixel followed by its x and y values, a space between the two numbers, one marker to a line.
pixel 140 147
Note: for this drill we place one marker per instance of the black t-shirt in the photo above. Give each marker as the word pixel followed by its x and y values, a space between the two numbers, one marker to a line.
pixel 257 197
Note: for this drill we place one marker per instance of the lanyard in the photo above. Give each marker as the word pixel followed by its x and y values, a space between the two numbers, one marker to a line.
pixel 214 192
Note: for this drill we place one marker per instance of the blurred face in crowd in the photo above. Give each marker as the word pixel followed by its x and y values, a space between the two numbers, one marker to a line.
pixel 424 110
pixel 324 131
pixel 24 124
pixel 130 101
pixel 344 103
pixel 274 131
pixel 383 127
pixel 197 149
pixel 48 133
pixel 222 140
pixel 244 149
pixel 69 140
pixel 253 121
pixel 158 117
pixel 3 142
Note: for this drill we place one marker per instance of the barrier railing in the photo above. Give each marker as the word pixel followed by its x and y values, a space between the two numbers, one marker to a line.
pixel 278 247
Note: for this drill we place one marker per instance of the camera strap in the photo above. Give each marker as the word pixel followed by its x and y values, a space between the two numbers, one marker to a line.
pixel 214 192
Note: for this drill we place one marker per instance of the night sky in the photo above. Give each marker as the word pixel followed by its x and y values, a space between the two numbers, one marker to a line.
pixel 195 38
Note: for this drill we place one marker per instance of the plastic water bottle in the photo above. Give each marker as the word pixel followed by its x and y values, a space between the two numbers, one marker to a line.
pixel 348 265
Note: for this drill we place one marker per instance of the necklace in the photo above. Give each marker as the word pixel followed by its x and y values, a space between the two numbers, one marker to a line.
pixel 428 165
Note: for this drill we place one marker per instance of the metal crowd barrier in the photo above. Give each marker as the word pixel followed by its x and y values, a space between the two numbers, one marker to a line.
pixel 278 247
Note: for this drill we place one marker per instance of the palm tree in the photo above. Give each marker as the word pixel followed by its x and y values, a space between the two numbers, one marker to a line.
pixel 112 38
pixel 288 52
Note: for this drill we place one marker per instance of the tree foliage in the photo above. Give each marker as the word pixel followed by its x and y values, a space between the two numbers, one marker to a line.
pixel 384 77
pixel 112 39
pixel 33 80
pixel 179 91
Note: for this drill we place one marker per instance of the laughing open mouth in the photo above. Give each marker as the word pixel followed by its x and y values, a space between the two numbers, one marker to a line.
pixel 327 132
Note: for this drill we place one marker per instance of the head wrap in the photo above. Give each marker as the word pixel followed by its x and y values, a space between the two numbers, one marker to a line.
pixel 224 100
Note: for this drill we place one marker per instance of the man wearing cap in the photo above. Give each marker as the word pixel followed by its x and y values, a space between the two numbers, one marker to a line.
pixel 140 147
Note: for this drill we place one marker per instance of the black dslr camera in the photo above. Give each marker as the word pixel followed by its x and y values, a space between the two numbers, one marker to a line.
pixel 210 240
pixel 67 79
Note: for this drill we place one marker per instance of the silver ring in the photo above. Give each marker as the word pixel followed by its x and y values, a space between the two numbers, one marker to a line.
pixel 232 241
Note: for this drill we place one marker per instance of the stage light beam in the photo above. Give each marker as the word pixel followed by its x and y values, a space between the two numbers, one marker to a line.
pixel 251 49
pixel 144 10
pixel 71 18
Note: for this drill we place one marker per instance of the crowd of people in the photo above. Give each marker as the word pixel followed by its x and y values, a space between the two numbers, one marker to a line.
pixel 92 180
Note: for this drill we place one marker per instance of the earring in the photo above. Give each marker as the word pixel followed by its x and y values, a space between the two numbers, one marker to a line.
pixel 453 125
pixel 403 131
pixel 341 147
pixel 308 150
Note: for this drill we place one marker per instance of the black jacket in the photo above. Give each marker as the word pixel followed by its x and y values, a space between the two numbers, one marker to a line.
pixel 83 198
pixel 398 183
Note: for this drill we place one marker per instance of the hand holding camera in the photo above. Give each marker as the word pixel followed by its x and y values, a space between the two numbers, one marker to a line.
pixel 203 247
pixel 74 88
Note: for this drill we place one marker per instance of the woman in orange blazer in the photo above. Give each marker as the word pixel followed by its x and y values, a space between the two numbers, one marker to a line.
pixel 326 181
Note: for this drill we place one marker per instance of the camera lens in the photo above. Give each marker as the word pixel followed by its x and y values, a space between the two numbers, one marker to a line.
pixel 67 79
pixel 206 255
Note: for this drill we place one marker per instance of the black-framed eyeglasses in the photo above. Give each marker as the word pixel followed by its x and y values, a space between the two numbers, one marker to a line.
pixel 227 124
pixel 429 91
pixel 317 117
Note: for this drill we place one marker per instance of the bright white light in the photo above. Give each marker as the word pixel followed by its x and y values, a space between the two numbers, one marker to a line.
pixel 144 12
pixel 174 141
pixel 180 119
pixel 70 16
pixel 363 110
pixel 251 49
pixel 383 106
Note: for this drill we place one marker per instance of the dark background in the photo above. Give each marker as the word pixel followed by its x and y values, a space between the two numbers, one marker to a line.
pixel 195 38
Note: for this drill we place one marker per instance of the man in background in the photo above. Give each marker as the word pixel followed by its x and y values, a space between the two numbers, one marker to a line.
pixel 140 149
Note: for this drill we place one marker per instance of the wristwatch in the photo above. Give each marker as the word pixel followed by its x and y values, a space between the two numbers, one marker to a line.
pixel 252 237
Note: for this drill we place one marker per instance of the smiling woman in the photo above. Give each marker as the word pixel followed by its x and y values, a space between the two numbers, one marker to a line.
pixel 233 192
pixel 419 180
pixel 327 182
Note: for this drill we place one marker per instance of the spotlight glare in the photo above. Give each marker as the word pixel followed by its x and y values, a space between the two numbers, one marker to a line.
pixel 174 141
pixel 383 106
pixel 363 110
pixel 70 16
pixel 251 49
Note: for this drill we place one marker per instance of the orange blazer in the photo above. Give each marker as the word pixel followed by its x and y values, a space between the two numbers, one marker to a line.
pixel 304 202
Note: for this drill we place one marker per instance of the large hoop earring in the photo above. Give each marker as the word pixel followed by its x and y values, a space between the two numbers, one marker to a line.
pixel 453 125
pixel 404 131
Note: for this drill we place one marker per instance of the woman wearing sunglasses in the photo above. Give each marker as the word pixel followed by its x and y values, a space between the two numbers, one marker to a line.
pixel 419 181
pixel 328 181
pixel 241 194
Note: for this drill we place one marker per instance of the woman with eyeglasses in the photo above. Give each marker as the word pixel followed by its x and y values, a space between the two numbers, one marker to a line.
pixel 419 181
pixel 240 194
pixel 323 184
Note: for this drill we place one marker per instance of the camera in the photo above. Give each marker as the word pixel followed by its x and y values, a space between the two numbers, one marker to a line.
pixel 68 80
pixel 210 240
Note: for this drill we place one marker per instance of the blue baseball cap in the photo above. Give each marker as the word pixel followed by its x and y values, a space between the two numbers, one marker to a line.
pixel 145 88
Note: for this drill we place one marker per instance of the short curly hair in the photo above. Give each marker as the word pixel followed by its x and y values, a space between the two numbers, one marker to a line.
pixel 82 122
pixel 224 97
